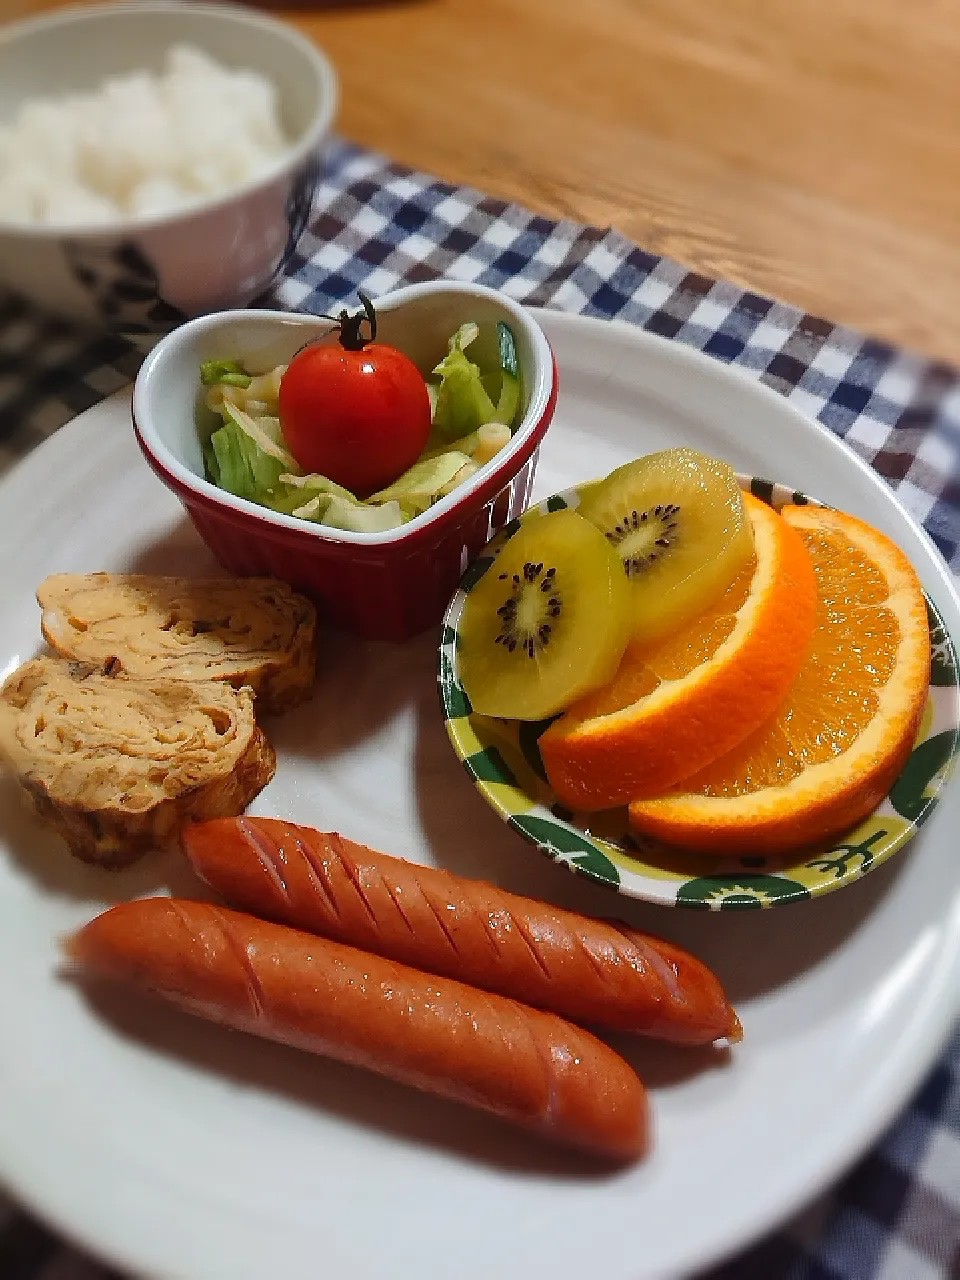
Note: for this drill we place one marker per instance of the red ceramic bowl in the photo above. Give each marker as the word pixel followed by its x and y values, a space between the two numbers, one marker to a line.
pixel 385 586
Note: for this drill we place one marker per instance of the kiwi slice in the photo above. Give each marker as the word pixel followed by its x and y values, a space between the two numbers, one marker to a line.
pixel 678 523
pixel 547 622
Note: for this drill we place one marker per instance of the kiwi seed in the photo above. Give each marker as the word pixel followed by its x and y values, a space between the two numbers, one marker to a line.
pixel 526 620
pixel 649 533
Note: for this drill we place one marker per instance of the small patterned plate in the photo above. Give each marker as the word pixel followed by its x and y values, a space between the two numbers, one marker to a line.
pixel 503 759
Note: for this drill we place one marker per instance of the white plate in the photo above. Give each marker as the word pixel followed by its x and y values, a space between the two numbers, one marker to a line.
pixel 177 1149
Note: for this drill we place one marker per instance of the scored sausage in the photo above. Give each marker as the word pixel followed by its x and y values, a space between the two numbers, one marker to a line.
pixel 593 971
pixel 438 1035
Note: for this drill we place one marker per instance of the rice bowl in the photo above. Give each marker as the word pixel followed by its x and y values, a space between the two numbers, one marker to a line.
pixel 151 268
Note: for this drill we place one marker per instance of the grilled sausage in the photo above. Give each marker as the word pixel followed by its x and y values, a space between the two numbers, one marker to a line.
pixel 592 971
pixel 438 1035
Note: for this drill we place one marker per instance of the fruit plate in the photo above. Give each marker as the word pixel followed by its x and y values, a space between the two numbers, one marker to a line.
pixel 503 759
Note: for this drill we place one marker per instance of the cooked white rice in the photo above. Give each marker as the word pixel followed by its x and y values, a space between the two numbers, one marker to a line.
pixel 142 145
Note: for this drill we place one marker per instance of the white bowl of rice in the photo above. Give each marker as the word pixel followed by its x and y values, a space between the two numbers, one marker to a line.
pixel 157 160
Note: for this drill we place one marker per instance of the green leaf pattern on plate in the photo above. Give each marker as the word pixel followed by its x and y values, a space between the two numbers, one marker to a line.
pixel 474 572
pixel 488 766
pixel 729 893
pixel 849 855
pixel 914 792
pixel 453 697
pixel 943 658
pixel 564 844
pixel 503 757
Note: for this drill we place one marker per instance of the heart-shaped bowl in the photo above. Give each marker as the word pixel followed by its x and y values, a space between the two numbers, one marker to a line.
pixel 503 759
pixel 385 586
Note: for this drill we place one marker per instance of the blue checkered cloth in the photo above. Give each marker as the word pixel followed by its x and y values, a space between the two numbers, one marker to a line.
pixel 378 225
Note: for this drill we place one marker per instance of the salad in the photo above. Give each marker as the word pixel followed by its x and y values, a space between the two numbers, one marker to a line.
pixel 350 434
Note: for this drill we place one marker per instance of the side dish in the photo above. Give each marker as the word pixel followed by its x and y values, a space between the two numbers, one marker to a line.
pixel 594 971
pixel 146 719
pixel 247 631
pixel 431 979
pixel 764 689
pixel 350 434
pixel 115 766
pixel 436 1034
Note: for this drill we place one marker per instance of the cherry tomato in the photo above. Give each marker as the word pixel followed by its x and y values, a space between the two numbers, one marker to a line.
pixel 356 411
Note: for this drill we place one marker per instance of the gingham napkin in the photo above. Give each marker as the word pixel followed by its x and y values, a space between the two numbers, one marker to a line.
pixel 378 225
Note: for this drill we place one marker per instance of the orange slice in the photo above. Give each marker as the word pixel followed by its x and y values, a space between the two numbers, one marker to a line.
pixel 674 707
pixel 834 748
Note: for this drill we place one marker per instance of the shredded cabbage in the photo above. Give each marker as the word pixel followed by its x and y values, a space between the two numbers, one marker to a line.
pixel 418 488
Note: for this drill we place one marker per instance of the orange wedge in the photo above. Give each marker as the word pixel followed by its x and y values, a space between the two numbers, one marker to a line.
pixel 674 707
pixel 834 748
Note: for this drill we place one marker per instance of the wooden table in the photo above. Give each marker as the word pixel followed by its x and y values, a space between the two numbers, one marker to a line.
pixel 809 149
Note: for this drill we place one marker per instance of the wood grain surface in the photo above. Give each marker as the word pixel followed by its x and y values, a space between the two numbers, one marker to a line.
pixel 808 149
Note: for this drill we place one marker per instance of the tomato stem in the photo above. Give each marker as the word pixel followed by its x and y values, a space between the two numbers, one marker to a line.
pixel 351 336
pixel 351 331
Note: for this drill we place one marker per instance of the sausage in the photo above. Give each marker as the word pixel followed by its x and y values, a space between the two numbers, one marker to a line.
pixel 438 1035
pixel 598 972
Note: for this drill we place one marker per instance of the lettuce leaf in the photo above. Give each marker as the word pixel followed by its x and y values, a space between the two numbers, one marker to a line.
pixel 462 404
pixel 473 392
pixel 244 457
pixel 240 466
pixel 229 372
